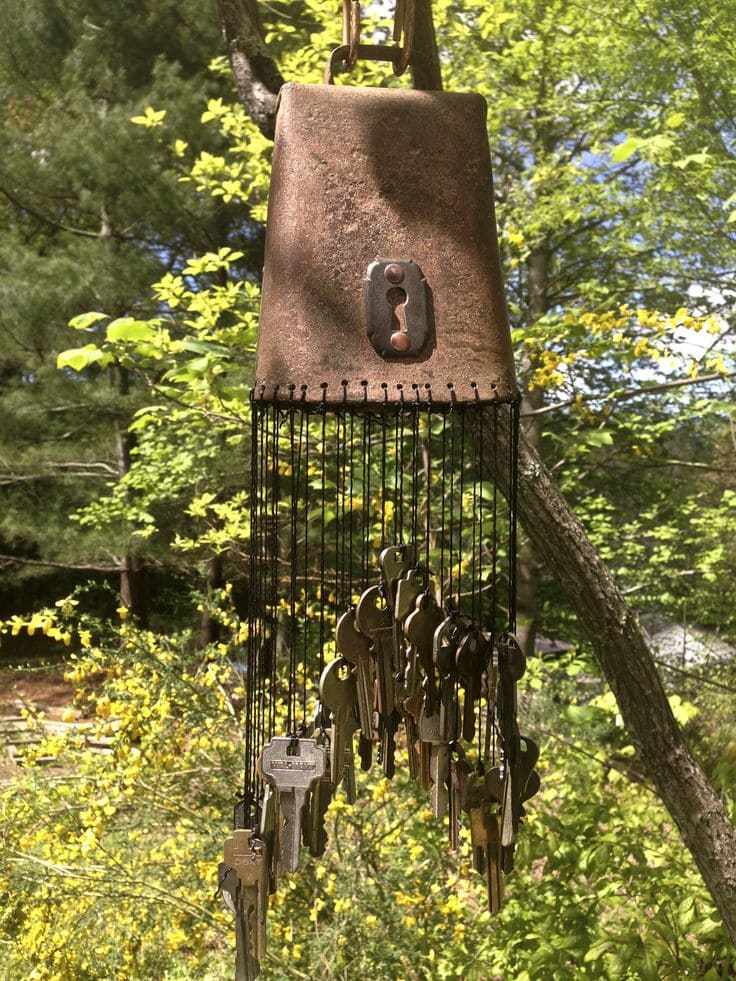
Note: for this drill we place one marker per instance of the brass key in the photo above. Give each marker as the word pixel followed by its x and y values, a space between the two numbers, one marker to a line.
pixel 355 647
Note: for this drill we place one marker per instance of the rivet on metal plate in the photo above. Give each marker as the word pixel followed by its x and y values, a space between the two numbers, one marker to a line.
pixel 396 315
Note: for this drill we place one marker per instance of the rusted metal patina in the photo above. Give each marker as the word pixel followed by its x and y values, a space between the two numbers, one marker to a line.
pixel 365 176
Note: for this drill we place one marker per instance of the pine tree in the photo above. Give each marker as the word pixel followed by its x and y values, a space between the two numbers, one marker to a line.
pixel 91 213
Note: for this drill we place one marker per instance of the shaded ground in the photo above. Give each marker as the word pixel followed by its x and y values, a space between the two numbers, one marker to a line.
pixel 42 687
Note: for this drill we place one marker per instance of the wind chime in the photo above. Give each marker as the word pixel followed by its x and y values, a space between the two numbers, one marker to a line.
pixel 382 556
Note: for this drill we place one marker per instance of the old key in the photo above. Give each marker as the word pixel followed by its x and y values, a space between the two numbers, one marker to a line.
pixel 419 630
pixel 471 658
pixel 355 647
pixel 394 562
pixel 337 692
pixel 292 766
pixel 247 856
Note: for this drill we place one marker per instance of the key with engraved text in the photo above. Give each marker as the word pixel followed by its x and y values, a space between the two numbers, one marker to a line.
pixel 292 766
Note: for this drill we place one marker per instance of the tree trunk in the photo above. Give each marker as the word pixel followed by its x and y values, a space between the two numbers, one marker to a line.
pixel 209 628
pixel 613 629
pixel 257 78
pixel 425 62
pixel 527 573
pixel 133 591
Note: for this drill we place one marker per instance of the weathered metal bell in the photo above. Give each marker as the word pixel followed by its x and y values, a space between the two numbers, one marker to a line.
pixel 382 279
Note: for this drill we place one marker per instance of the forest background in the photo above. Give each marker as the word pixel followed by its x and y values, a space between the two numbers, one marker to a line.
pixel 134 184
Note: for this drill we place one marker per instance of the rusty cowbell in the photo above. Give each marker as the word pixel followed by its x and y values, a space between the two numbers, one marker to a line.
pixel 382 279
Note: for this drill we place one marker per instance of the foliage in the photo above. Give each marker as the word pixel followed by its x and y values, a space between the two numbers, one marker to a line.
pixel 115 852
pixel 126 842
pixel 91 212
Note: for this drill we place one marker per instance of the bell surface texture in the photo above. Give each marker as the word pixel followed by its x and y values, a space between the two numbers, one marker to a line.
pixel 382 279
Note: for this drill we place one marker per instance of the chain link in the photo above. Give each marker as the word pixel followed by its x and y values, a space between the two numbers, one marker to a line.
pixel 399 53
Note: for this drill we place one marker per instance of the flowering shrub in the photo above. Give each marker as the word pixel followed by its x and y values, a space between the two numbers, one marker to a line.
pixel 108 860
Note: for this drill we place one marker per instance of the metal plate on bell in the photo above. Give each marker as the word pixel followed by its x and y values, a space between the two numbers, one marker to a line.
pixel 368 182
pixel 396 309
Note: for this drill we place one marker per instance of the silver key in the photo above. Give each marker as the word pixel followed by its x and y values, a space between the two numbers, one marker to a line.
pixel 292 767
pixel 337 693
pixel 430 735
pixel 384 654
pixel 439 771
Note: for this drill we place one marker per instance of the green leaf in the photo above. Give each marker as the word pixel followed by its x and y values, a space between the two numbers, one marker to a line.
pixel 79 358
pixel 598 437
pixel 85 320
pixel 622 152
pixel 204 347
pixel 675 119
pixel 127 329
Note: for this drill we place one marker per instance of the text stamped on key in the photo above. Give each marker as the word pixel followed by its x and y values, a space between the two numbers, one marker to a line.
pixel 309 765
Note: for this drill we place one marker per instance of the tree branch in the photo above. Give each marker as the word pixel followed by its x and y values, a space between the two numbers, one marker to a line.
pixel 256 75
pixel 627 664
pixel 58 225
pixel 425 62
pixel 16 560
pixel 632 393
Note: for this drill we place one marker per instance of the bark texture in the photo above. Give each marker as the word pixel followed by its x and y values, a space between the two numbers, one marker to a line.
pixel 613 628
pixel 537 267
pixel 257 78
pixel 425 62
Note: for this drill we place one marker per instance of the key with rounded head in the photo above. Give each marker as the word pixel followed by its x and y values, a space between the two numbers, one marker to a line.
pixel 471 660
pixel 292 766
pixel 419 630
pixel 375 620
pixel 355 647
pixel 337 693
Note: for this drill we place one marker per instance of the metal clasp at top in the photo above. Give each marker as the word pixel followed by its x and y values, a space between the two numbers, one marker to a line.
pixel 399 54
pixel 397 320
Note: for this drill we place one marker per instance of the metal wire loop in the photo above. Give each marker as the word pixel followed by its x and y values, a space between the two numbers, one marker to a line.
pixel 348 53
